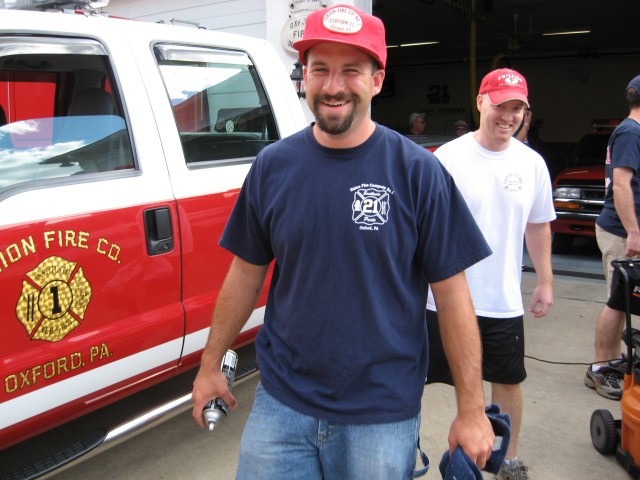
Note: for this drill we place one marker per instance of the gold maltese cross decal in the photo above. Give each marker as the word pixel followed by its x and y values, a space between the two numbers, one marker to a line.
pixel 54 299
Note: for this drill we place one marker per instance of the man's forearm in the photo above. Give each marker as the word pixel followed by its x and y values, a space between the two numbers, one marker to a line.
pixel 625 208
pixel 471 428
pixel 538 238
pixel 236 301
pixel 461 340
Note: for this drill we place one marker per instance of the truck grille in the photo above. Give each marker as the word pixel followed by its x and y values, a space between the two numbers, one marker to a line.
pixel 590 202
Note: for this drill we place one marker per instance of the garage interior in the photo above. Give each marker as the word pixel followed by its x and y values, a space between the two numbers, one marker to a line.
pixel 439 50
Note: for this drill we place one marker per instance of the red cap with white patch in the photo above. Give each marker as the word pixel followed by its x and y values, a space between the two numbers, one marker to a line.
pixel 504 84
pixel 347 25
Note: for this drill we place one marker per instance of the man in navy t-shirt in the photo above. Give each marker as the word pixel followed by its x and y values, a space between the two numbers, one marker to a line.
pixel 359 221
pixel 618 237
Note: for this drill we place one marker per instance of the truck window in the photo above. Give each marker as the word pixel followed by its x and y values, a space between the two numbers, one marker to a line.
pixel 591 150
pixel 219 104
pixel 61 117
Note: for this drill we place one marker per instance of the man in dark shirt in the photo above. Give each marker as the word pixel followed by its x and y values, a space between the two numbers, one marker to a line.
pixel 359 220
pixel 618 236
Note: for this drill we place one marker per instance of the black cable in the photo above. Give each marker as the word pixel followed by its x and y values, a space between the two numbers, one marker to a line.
pixel 565 363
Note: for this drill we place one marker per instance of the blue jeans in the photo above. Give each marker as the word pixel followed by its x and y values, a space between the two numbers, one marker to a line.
pixel 279 443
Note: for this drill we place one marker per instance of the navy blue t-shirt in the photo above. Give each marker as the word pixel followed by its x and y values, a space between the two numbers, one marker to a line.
pixel 357 234
pixel 623 151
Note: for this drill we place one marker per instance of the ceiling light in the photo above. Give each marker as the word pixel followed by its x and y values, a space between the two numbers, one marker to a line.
pixel 433 42
pixel 417 44
pixel 567 32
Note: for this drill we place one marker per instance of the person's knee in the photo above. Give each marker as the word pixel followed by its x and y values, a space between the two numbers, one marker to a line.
pixel 506 390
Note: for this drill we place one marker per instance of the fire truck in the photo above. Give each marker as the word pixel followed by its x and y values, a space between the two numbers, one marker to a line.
pixel 578 191
pixel 123 146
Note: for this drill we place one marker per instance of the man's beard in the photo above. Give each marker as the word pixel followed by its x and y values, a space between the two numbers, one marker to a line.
pixel 331 124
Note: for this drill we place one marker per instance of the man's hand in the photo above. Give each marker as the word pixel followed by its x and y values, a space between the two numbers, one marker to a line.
pixel 632 245
pixel 236 301
pixel 472 432
pixel 207 386
pixel 541 300
pixel 538 238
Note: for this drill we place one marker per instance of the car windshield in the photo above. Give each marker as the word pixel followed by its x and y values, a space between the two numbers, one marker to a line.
pixel 44 148
pixel 591 150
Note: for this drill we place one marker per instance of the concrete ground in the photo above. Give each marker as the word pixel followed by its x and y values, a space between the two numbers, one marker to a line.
pixel 555 440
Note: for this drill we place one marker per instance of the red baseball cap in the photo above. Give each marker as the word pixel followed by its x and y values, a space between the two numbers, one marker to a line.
pixel 347 25
pixel 504 84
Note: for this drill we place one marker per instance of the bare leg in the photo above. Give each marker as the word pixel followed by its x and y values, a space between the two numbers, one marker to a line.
pixel 609 327
pixel 509 398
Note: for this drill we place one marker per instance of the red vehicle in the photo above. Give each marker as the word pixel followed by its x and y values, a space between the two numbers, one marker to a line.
pixel 578 191
pixel 431 142
pixel 123 151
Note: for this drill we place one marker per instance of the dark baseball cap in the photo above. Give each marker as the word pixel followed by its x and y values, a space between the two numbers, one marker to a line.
pixel 633 89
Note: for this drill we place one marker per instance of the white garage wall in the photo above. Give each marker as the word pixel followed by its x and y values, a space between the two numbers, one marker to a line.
pixel 246 17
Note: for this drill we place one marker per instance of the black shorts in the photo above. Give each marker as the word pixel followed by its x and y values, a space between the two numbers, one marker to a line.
pixel 620 290
pixel 502 350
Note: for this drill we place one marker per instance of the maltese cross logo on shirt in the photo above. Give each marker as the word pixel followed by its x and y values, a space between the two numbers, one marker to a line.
pixel 370 206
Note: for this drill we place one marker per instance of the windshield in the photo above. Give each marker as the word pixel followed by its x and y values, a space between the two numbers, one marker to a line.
pixel 591 150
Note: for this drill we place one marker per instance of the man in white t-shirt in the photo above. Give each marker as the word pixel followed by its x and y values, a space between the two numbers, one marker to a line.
pixel 508 190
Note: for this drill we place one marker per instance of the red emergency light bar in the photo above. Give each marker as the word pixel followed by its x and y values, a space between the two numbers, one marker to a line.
pixel 600 124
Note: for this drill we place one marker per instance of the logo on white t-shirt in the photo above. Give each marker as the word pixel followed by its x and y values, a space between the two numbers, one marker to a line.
pixel 370 205
pixel 512 183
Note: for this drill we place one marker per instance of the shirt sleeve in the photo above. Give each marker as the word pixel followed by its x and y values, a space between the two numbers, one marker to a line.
pixel 245 235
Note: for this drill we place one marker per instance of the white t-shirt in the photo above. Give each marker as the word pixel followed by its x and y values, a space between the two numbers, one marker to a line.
pixel 504 191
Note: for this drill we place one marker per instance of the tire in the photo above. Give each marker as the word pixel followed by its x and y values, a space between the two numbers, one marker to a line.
pixel 561 243
pixel 604 434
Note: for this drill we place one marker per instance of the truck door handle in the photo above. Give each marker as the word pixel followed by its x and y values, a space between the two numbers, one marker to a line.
pixel 157 225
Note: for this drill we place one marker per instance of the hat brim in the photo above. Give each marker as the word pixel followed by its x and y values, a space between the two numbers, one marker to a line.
pixel 303 47
pixel 498 98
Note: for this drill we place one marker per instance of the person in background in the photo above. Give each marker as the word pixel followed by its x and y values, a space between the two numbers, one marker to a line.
pixel 360 221
pixel 417 124
pixel 533 136
pixel 523 132
pixel 618 236
pixel 508 190
pixel 460 128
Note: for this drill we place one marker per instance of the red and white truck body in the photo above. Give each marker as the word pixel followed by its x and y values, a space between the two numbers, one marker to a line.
pixel 123 151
